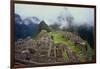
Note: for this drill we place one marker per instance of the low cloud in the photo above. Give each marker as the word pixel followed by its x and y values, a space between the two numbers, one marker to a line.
pixel 51 13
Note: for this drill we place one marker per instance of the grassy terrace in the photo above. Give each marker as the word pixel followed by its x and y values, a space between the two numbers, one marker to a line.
pixel 58 38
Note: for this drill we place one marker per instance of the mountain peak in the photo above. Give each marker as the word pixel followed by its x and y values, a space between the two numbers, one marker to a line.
pixel 30 20
pixel 43 26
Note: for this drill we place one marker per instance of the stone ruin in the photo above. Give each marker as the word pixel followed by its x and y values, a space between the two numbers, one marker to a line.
pixel 39 51
pixel 80 43
pixel 43 50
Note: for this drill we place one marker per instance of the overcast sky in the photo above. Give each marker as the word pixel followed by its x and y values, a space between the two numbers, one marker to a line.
pixel 50 13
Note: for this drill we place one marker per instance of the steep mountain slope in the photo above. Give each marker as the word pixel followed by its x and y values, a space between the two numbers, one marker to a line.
pixel 53 47
pixel 78 46
pixel 37 44
pixel 43 26
pixel 26 27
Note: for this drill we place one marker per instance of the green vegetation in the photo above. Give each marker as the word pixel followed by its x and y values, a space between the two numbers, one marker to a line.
pixel 89 52
pixel 65 56
pixel 43 26
pixel 58 38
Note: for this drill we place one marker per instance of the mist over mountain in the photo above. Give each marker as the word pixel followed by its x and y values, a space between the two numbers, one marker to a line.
pixel 31 26
pixel 52 34
pixel 24 28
